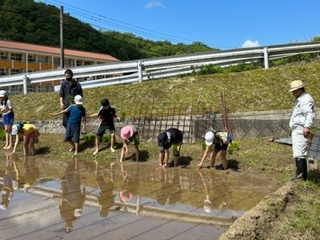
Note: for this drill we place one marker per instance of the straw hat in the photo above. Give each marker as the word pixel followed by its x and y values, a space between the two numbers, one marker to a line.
pixel 297 84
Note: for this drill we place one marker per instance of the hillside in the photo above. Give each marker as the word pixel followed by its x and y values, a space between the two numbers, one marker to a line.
pixel 35 22
pixel 255 90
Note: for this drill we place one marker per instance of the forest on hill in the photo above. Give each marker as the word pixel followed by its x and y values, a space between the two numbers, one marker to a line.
pixel 35 22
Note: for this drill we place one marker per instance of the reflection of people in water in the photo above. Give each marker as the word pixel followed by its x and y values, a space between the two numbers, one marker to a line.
pixel 125 192
pixel 8 184
pixel 170 191
pixel 73 195
pixel 130 187
pixel 106 195
pixel 29 174
pixel 216 195
pixel 207 204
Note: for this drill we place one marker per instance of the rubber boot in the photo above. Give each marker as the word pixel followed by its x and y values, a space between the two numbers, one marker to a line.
pixel 304 169
pixel 300 167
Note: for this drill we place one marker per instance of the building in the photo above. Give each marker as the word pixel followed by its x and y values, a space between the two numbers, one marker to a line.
pixel 18 57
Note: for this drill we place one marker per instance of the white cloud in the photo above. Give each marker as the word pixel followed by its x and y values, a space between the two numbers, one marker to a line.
pixel 248 43
pixel 153 4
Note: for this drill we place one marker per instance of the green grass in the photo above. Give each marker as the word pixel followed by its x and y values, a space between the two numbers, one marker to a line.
pixel 256 90
pixel 2 135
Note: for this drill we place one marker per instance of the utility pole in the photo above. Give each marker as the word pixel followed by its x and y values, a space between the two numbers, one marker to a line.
pixel 61 39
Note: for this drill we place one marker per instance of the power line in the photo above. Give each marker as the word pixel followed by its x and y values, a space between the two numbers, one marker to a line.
pixel 117 24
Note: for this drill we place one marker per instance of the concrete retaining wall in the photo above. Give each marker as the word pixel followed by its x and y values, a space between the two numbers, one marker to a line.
pixel 248 124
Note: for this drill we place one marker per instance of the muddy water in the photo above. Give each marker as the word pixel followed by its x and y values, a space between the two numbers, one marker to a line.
pixel 95 200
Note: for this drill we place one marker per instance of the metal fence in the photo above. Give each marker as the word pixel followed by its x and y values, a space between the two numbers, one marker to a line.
pixel 156 68
pixel 193 121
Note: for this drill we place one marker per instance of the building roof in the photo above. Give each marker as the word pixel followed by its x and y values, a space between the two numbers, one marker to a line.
pixel 41 49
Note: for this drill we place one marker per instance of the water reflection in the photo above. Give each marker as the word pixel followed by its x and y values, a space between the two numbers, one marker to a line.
pixel 207 204
pixel 8 185
pixel 129 194
pixel 96 192
pixel 105 195
pixel 170 190
pixel 73 194
pixel 128 185
pixel 27 174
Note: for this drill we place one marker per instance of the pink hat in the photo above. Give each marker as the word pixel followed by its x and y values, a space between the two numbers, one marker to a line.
pixel 125 196
pixel 126 132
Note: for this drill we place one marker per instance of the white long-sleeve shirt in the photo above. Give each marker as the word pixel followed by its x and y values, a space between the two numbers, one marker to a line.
pixel 302 112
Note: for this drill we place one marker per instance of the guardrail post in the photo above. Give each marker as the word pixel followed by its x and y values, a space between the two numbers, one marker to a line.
pixel 266 58
pixel 140 69
pixel 25 84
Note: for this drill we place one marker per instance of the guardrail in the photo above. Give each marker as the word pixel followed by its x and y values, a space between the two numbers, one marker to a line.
pixel 155 68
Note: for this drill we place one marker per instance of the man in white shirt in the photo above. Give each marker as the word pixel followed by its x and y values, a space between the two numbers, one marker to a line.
pixel 300 123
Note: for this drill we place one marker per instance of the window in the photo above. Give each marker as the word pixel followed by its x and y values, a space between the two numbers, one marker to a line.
pixel 15 71
pixel 56 61
pixel 44 88
pixel 16 89
pixel 31 58
pixel 3 55
pixel 43 59
pixel 3 72
pixel 69 62
pixel 16 56
pixel 87 63
pixel 30 88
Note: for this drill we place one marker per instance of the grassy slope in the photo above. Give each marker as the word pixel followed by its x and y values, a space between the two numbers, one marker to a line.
pixel 246 91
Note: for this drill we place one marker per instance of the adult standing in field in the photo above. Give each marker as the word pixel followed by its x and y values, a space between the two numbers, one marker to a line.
pixel 68 90
pixel 300 123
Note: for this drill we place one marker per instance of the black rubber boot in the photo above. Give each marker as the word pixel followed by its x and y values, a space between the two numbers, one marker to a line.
pixel 300 168
pixel 304 168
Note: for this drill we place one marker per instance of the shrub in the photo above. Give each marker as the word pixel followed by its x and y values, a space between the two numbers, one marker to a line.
pixel 90 138
pixel 106 137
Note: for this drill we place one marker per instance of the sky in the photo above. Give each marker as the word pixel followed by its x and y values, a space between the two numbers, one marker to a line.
pixel 222 24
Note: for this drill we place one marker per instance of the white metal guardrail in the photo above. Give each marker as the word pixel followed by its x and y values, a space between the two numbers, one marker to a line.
pixel 155 68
